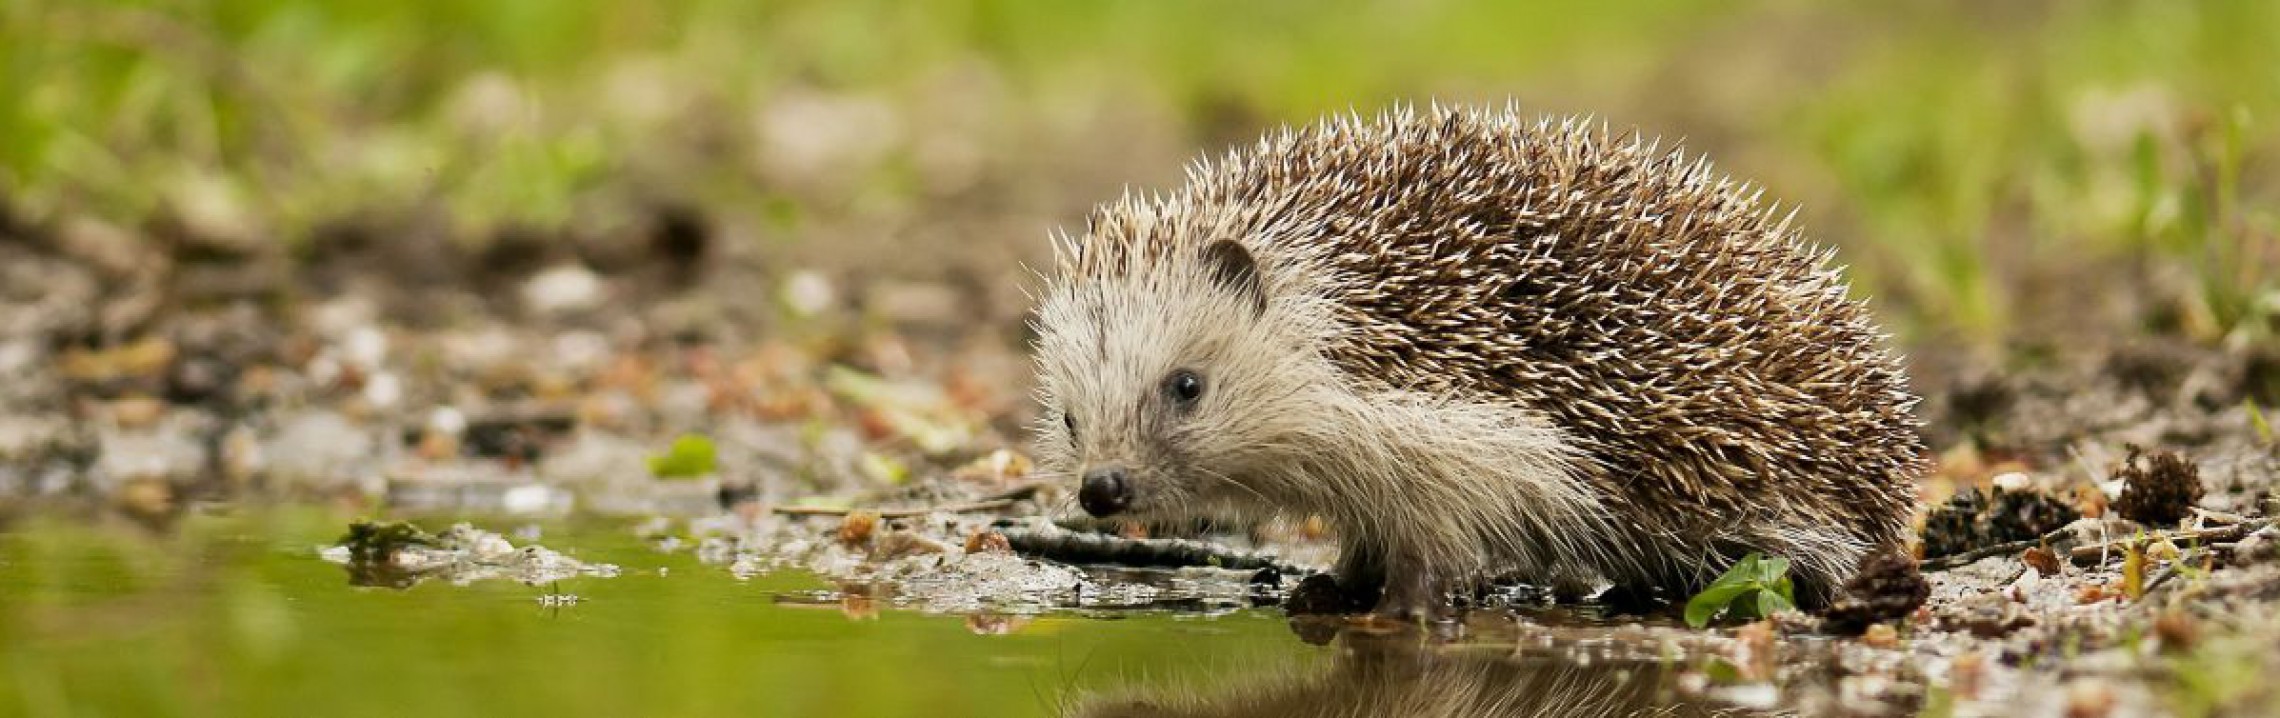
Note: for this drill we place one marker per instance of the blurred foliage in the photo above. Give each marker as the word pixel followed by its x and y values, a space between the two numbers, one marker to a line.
pixel 691 456
pixel 1985 165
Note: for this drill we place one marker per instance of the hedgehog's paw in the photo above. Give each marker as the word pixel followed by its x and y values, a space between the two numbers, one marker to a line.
pixel 1413 597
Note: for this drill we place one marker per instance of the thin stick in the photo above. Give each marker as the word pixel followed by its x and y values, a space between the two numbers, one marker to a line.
pixel 2170 571
pixel 968 507
pixel 2093 552
pixel 2219 516
pixel 1090 549
pixel 1966 558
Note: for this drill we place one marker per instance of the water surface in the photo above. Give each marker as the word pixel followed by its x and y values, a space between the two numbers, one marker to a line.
pixel 236 615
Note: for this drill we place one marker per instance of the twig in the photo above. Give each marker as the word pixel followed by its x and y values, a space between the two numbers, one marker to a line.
pixel 1086 548
pixel 1017 493
pixel 968 507
pixel 1966 558
pixel 2091 554
pixel 2219 516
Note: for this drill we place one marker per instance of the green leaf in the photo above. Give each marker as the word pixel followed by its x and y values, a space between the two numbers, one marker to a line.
pixel 1769 603
pixel 1707 604
pixel 1754 587
pixel 690 456
pixel 1771 571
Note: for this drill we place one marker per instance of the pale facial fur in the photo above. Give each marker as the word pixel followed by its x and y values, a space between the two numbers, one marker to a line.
pixel 1108 351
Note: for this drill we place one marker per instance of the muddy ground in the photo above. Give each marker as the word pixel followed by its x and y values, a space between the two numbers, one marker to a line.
pixel 873 435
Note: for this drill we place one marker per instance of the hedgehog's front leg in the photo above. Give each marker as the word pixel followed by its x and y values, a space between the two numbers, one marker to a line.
pixel 1360 573
pixel 1413 592
pixel 1351 587
pixel 1389 582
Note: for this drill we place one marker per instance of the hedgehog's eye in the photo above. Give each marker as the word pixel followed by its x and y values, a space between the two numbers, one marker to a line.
pixel 1184 387
pixel 1070 420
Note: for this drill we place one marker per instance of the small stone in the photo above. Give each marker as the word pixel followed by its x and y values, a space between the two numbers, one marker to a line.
pixel 2013 481
pixel 447 420
pixel 808 293
pixel 136 412
pixel 383 390
pixel 533 498
pixel 1881 635
pixel 988 541
pixel 148 500
pixel 2178 631
pixel 857 527
pixel 490 546
pixel 562 289
pixel 365 347
pixel 2264 545
pixel 2086 698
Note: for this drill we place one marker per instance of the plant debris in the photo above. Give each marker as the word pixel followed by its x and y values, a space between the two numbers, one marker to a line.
pixel 400 555
pixel 2159 491
pixel 1970 520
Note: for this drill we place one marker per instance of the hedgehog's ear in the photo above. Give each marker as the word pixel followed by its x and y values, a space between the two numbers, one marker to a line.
pixel 1233 268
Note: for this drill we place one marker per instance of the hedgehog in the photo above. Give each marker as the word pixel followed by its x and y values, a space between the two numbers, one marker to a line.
pixel 1479 345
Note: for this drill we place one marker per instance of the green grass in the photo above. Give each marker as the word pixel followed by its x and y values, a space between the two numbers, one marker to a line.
pixel 1975 161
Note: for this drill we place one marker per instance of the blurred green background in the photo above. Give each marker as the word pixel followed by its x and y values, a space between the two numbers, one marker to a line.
pixel 1991 170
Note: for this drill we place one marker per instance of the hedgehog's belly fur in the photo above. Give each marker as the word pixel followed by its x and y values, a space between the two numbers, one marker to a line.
pixel 1482 490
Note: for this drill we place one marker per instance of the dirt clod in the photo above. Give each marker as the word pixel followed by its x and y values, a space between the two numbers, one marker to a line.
pixel 1887 587
pixel 2160 491
pixel 2178 631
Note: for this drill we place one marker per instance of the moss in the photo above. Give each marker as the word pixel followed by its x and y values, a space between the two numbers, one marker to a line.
pixel 372 542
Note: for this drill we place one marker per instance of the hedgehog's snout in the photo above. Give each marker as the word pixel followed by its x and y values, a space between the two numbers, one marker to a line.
pixel 1106 491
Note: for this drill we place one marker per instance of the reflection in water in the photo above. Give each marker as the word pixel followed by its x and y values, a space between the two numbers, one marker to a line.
pixel 1402 674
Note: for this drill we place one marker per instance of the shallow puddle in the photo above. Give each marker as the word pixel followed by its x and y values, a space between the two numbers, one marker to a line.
pixel 238 615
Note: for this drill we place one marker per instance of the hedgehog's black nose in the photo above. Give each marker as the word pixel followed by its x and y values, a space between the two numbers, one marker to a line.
pixel 1105 491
